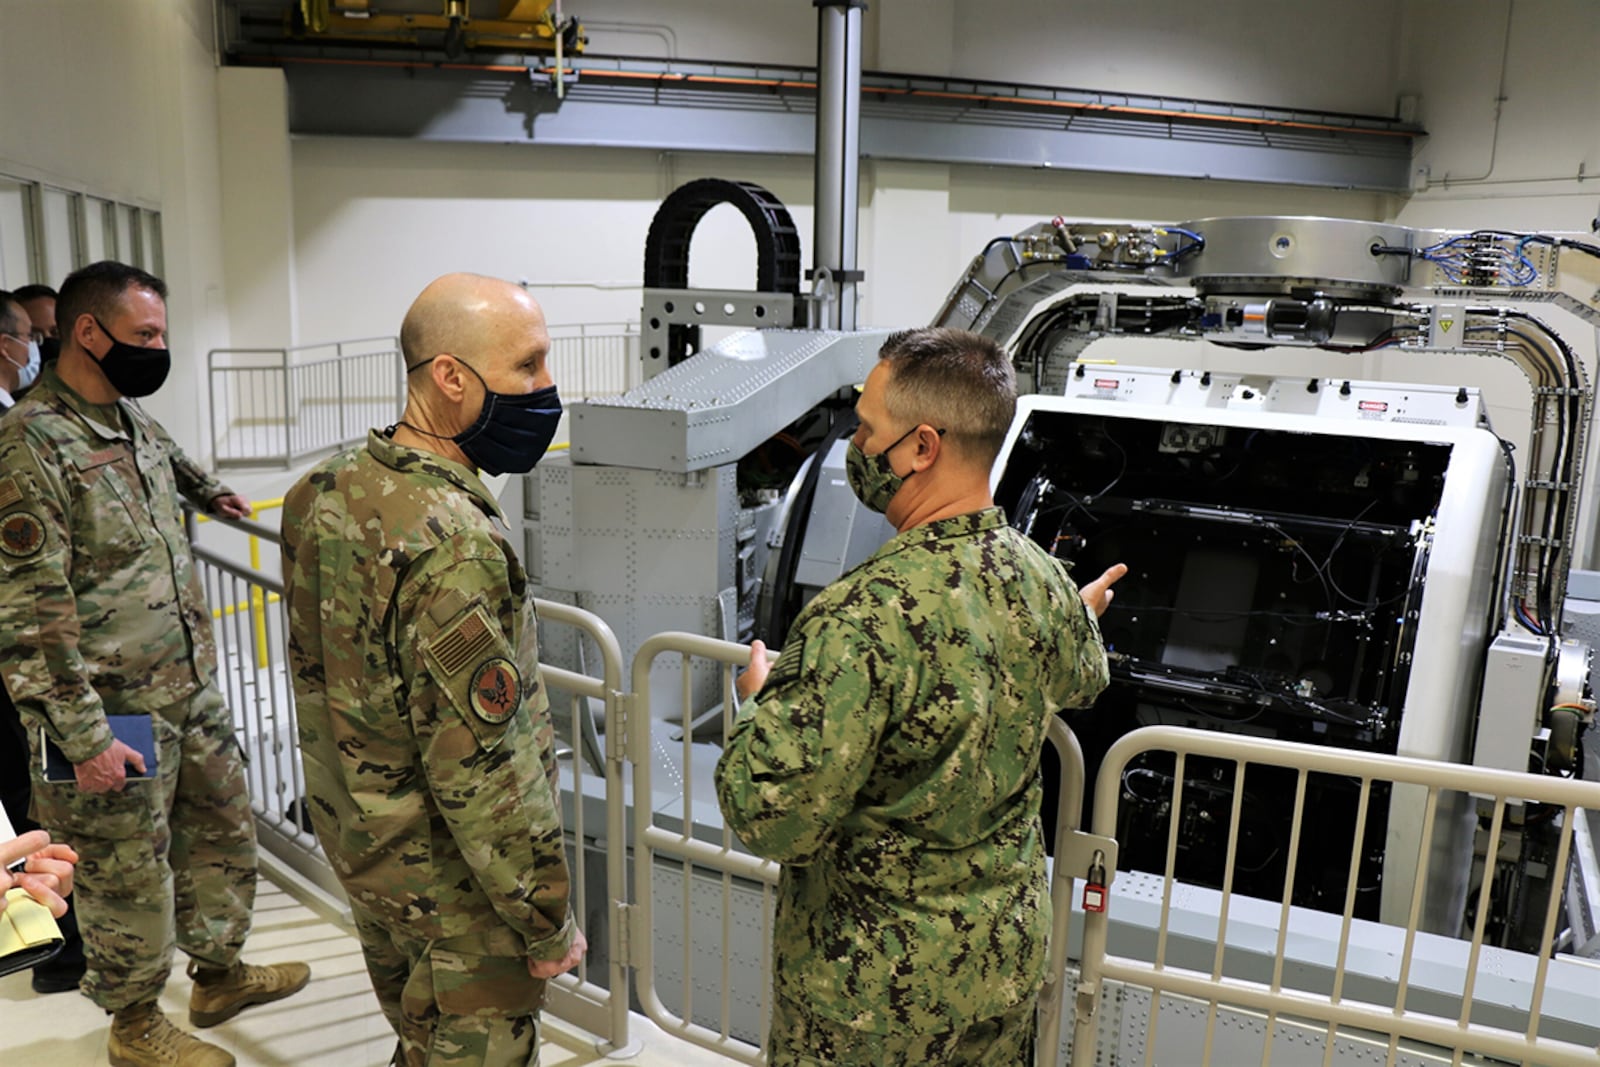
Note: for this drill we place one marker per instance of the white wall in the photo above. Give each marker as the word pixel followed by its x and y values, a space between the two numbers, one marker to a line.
pixel 118 98
pixel 375 221
pixel 258 207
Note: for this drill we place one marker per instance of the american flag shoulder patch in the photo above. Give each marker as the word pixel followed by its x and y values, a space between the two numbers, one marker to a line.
pixel 464 642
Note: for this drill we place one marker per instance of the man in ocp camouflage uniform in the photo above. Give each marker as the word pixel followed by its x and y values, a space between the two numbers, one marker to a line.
pixel 891 758
pixel 425 731
pixel 101 614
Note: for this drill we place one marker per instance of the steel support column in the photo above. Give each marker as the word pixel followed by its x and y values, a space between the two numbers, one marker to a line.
pixel 834 274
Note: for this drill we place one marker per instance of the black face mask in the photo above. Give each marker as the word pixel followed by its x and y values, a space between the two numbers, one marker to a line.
pixel 512 432
pixel 131 370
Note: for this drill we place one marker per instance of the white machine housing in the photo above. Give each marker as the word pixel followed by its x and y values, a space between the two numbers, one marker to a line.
pixel 1458 575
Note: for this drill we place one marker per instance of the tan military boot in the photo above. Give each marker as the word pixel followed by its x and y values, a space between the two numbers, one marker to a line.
pixel 220 995
pixel 141 1036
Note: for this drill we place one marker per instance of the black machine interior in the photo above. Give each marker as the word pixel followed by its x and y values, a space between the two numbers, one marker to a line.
pixel 1275 583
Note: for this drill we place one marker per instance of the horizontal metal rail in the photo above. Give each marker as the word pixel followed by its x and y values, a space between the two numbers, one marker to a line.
pixel 1335 1009
pixel 277 406
pixel 602 1010
pixel 724 860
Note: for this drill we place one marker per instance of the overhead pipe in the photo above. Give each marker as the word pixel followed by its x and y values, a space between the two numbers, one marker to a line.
pixel 668 78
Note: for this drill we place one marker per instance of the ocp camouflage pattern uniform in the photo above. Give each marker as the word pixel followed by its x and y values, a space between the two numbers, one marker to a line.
pixel 891 763
pixel 101 613
pixel 428 746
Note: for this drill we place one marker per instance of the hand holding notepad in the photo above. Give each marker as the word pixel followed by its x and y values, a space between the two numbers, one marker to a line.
pixel 28 933
pixel 132 756
pixel 32 892
pixel 37 867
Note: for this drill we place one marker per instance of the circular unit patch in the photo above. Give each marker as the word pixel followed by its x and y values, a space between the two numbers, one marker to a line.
pixel 21 535
pixel 496 690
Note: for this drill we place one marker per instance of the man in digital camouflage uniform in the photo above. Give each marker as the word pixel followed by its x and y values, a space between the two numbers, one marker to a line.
pixel 102 614
pixel 891 758
pixel 425 730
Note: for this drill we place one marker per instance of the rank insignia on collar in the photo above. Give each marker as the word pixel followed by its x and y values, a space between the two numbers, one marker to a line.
pixel 496 690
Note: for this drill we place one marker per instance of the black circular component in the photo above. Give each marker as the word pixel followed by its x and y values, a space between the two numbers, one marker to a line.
pixel 666 248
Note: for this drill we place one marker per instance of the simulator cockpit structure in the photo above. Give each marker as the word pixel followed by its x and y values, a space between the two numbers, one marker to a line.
pixel 1315 557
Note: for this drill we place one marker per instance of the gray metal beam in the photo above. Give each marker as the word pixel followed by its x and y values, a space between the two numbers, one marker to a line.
pixel 428 103
pixel 714 409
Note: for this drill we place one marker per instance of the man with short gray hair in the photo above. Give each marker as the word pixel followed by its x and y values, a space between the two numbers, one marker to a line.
pixel 890 758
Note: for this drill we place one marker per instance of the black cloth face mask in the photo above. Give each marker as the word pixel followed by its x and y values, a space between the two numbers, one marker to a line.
pixel 132 370
pixel 513 430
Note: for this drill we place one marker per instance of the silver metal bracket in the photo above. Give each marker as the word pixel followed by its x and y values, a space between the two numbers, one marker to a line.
pixel 1078 853
pixel 664 308
pixel 618 748
pixel 622 923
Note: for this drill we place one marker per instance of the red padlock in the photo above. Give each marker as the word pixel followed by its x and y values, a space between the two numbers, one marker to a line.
pixel 1094 889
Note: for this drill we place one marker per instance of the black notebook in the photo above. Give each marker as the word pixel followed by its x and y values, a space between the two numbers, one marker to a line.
pixel 135 731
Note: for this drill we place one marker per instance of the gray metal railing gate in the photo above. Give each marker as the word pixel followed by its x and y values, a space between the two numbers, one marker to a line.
pixel 685 858
pixel 1323 997
pixel 277 406
pixel 669 834
pixel 602 1010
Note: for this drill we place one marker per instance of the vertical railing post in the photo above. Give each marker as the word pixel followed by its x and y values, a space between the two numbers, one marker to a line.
pixel 211 386
pixel 1069 814
pixel 288 420
pixel 258 602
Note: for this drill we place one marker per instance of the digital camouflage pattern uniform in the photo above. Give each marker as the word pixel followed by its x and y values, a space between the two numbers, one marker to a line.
pixel 428 746
pixel 101 613
pixel 891 763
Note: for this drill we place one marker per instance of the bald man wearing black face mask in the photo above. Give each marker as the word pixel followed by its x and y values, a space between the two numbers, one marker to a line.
pixel 414 656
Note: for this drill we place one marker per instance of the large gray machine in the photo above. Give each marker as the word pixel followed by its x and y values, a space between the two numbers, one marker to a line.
pixel 1316 557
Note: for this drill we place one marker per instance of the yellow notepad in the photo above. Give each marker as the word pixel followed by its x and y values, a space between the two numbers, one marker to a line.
pixel 28 932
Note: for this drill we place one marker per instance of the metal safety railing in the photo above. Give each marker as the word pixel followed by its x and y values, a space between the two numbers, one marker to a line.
pixel 260 598
pixel 1327 999
pixel 668 840
pixel 600 1009
pixel 595 359
pixel 277 406
pixel 251 631
pixel 1069 843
